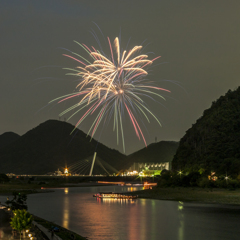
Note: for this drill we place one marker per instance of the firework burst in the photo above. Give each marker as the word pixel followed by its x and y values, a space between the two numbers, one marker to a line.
pixel 112 86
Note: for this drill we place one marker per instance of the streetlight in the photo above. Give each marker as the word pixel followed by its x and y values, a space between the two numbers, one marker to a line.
pixel 180 173
pixel 227 178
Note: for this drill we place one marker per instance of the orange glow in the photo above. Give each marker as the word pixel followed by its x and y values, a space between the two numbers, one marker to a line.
pixel 121 183
pixel 66 211
pixel 149 185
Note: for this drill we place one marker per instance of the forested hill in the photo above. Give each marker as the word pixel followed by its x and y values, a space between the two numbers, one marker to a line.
pixel 50 146
pixel 213 142
pixel 162 151
pixel 7 138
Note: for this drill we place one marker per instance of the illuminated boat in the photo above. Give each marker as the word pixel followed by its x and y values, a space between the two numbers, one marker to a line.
pixel 113 195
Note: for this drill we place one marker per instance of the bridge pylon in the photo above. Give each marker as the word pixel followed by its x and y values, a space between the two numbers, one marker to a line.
pixel 93 161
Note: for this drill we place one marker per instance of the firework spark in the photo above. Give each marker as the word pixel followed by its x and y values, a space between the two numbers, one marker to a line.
pixel 111 87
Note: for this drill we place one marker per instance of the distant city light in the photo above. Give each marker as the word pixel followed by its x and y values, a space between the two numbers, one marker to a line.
pixel 133 173
pixel 180 173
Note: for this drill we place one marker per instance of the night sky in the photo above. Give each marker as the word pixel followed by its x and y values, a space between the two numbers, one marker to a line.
pixel 198 42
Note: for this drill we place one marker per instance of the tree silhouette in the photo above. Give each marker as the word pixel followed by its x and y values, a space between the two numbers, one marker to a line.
pixel 18 201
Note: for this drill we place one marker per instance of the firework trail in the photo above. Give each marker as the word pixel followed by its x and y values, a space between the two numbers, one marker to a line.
pixel 111 87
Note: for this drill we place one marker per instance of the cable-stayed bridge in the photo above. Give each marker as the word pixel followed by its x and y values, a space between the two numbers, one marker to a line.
pixel 92 165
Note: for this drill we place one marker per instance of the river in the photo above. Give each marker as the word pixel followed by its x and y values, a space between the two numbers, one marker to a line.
pixel 140 219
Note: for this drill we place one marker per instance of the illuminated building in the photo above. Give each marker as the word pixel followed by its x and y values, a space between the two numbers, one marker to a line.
pixel 10 175
pixel 65 173
pixel 212 176
pixel 58 173
pixel 148 169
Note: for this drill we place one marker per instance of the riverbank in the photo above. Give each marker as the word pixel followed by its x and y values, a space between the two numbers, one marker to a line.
pixel 201 195
pixel 204 195
pixel 8 188
pixel 41 228
pixel 63 233
pixel 9 192
pixel 5 228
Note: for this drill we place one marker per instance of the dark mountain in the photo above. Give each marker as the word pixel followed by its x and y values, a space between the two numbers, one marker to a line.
pixel 212 143
pixel 8 137
pixel 50 146
pixel 156 152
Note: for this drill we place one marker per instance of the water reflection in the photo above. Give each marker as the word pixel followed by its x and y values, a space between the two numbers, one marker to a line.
pixel 143 218
pixel 132 189
pixel 133 225
pixel 140 219
pixel 66 210
pixel 181 221
pixel 154 218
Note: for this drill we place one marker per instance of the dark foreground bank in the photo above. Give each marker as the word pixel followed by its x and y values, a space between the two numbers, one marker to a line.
pixel 63 233
pixel 6 231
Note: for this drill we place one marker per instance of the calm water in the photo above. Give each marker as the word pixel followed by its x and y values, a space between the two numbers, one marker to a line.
pixel 141 219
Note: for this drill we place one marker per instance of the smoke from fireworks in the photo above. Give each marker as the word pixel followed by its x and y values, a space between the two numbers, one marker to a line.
pixel 112 88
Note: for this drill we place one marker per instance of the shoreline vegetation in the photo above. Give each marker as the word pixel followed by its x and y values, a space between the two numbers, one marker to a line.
pixel 40 227
pixel 9 188
pixel 192 194
pixel 187 194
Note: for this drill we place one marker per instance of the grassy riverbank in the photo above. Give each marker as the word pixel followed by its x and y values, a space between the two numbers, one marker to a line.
pixel 9 188
pixel 215 195
pixel 197 194
pixel 25 188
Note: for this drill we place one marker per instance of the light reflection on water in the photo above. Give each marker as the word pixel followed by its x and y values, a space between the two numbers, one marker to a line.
pixel 181 222
pixel 66 210
pixel 138 219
